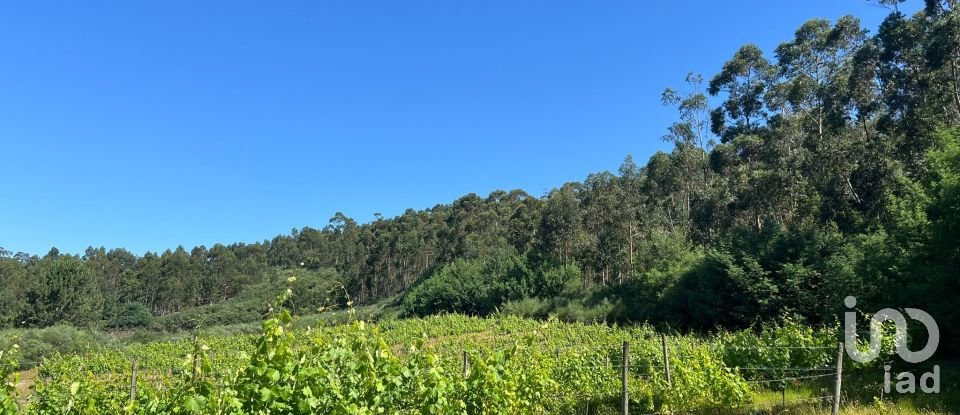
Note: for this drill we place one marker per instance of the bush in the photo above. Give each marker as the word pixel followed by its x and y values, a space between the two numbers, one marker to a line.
pixel 528 307
pixel 36 344
pixel 579 310
pixel 459 286
pixel 559 280
pixel 471 286
pixel 130 315
pixel 561 308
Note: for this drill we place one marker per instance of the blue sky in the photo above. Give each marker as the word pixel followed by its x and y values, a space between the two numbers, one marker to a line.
pixel 148 125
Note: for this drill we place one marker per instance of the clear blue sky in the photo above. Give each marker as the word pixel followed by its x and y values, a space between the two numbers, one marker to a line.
pixel 148 125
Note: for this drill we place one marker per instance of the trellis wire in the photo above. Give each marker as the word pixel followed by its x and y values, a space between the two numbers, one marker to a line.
pixel 791 378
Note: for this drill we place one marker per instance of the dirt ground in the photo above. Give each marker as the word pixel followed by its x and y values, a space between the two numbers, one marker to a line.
pixel 27 378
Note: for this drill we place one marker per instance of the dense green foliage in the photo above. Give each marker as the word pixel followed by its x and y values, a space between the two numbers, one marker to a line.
pixel 515 366
pixel 825 169
pixel 316 288
pixel 35 344
pixel 8 391
pixel 473 286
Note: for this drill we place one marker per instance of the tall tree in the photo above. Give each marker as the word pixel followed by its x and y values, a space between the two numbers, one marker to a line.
pixel 65 291
pixel 744 79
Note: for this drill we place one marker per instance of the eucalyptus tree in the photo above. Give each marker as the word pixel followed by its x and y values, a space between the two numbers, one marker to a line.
pixel 560 233
pixel 744 79
pixel 692 141
pixel 815 143
pixel 606 230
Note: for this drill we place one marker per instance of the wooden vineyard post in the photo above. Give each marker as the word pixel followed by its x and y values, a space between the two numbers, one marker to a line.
pixel 196 356
pixel 836 387
pixel 133 382
pixel 196 365
pixel 666 362
pixel 466 365
pixel 623 380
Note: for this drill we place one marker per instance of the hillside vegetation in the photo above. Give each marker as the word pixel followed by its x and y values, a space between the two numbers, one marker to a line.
pixel 825 168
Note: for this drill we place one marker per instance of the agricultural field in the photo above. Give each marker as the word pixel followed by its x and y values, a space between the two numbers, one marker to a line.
pixel 454 364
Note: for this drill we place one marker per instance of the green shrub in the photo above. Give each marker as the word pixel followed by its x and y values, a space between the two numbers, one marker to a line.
pixel 36 344
pixel 471 286
pixel 562 308
pixel 8 380
pixel 527 307
pixel 562 280
pixel 130 315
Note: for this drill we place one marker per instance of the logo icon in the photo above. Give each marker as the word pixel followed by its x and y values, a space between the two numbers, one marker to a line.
pixel 889 314
pixel 906 380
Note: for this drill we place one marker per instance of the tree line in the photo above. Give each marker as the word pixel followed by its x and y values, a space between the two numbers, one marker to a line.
pixel 826 168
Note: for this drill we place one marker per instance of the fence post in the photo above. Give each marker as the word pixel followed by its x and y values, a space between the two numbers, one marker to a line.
pixel 836 387
pixel 133 382
pixel 666 363
pixel 623 380
pixel 466 365
pixel 196 356
pixel 196 365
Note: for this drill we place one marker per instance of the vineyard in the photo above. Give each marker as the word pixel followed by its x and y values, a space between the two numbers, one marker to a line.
pixel 449 364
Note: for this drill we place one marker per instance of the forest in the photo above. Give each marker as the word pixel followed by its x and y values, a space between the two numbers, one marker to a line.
pixel 827 167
